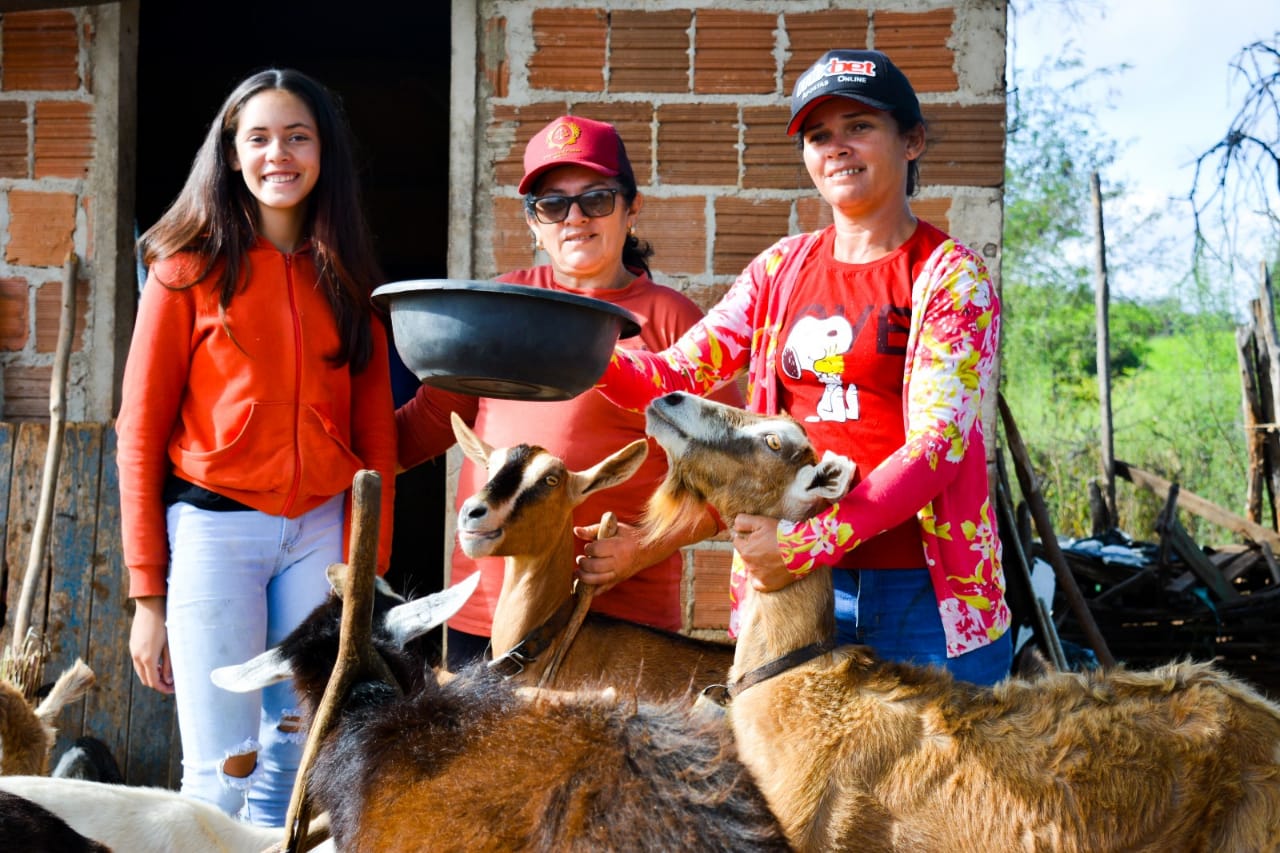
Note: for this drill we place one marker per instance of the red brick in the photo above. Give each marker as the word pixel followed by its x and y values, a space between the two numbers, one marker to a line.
pixel 935 211
pixel 568 49
pixel 26 393
pixel 517 124
pixel 917 43
pixel 698 144
pixel 41 51
pixel 710 588
pixel 49 312
pixel 64 139
pixel 40 227
pixel 966 145
pixel 770 158
pixel 811 34
pixel 512 239
pixel 744 229
pixel 14 314
pixel 493 56
pixel 649 51
pixel 734 52
pixel 677 228
pixel 13 140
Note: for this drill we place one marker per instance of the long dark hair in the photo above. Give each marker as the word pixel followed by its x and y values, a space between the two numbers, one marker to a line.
pixel 216 216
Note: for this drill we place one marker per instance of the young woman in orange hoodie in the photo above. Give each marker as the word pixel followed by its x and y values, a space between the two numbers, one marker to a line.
pixel 257 384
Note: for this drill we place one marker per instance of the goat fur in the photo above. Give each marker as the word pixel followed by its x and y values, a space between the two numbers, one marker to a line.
pixel 27 734
pixel 531 525
pixel 856 753
pixel 28 827
pixel 470 763
pixel 138 819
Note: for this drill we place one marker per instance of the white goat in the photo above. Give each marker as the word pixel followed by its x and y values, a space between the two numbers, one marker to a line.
pixel 135 819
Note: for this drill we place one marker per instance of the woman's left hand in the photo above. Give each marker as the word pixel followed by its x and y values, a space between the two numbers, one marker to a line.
pixel 755 538
pixel 607 562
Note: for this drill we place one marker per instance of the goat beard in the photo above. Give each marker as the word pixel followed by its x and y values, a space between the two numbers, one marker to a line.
pixel 673 508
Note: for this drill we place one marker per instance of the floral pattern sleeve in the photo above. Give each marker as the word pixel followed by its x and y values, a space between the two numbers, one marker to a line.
pixel 713 350
pixel 951 359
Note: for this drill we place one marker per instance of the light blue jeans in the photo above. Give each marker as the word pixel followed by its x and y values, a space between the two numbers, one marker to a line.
pixel 896 613
pixel 239 582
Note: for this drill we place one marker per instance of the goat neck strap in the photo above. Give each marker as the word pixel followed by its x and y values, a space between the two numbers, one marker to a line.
pixel 534 643
pixel 764 672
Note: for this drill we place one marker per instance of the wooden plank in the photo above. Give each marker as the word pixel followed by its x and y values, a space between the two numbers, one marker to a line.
pixel 7 437
pixel 1171 529
pixel 1193 503
pixel 107 707
pixel 1048 539
pixel 71 536
pixel 24 495
pixel 1255 438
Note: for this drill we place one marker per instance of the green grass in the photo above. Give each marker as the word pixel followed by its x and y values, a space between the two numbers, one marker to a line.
pixel 1179 415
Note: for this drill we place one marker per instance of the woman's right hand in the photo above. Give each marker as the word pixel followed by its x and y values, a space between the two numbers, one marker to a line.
pixel 149 644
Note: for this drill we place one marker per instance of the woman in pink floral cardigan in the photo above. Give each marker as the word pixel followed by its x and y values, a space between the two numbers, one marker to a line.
pixel 879 333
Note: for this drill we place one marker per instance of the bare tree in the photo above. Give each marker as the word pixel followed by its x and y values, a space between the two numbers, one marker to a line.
pixel 1238 178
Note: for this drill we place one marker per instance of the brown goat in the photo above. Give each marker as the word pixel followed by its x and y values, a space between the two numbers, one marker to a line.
pixel 27 734
pixel 467 763
pixel 525 513
pixel 857 753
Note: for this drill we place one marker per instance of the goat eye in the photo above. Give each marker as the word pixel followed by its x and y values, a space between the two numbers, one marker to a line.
pixel 772 441
pixel 552 480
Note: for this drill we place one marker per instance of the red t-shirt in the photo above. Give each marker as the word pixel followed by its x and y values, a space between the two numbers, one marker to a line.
pixel 841 363
pixel 581 431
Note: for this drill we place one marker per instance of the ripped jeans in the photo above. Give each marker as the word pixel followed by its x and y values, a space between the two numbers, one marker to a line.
pixel 239 582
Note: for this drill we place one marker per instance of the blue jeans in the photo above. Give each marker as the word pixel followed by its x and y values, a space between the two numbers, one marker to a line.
pixel 239 582
pixel 896 613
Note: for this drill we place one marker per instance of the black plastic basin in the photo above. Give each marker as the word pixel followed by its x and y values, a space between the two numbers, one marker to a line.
pixel 510 341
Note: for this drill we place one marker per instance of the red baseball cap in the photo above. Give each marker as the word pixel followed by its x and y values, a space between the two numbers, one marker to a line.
pixel 578 141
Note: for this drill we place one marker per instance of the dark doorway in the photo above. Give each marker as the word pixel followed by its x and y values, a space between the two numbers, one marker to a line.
pixel 388 61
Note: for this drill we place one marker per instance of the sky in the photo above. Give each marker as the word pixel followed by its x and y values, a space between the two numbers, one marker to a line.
pixel 1177 98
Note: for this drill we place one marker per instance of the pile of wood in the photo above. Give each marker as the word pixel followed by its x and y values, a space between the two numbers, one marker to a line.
pixel 1183 600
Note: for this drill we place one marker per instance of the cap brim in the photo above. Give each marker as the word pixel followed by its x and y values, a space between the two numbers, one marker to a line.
pixel 797 120
pixel 527 182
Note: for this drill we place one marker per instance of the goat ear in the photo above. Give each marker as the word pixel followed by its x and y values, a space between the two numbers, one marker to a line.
pixel 616 469
pixel 266 669
pixel 415 618
pixel 472 445
pixel 830 478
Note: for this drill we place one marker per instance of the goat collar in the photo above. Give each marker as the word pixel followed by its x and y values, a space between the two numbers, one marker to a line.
pixel 722 694
pixel 533 643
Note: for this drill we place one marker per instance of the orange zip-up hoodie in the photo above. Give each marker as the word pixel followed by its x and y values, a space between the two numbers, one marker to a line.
pixel 258 415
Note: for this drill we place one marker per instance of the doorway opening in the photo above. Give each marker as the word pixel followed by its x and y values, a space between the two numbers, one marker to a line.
pixel 388 62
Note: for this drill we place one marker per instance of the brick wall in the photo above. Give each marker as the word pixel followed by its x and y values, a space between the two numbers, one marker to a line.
pixel 700 95
pixel 46 152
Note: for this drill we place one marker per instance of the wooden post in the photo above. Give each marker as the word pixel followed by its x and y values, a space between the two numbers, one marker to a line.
pixel 1270 379
pixel 1102 299
pixel 1254 436
pixel 1049 539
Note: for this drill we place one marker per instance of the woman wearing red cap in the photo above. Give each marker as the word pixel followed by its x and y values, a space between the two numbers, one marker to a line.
pixel 581 203
pixel 879 333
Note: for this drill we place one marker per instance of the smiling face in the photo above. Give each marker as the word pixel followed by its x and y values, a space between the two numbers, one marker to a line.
pixel 856 156
pixel 585 252
pixel 277 151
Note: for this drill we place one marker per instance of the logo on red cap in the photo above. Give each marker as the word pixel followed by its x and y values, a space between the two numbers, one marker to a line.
pixel 564 133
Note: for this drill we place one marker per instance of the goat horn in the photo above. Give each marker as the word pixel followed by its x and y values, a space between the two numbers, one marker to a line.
pixel 356 655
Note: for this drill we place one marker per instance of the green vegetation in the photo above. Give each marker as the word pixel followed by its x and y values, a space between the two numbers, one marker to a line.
pixel 1176 391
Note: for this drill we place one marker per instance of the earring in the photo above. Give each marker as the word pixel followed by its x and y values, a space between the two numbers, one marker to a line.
pixel 631 231
pixel 537 242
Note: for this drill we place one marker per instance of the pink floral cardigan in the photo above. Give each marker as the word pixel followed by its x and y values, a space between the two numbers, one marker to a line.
pixel 939 474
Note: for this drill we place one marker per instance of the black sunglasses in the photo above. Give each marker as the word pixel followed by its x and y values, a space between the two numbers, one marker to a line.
pixel 550 209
